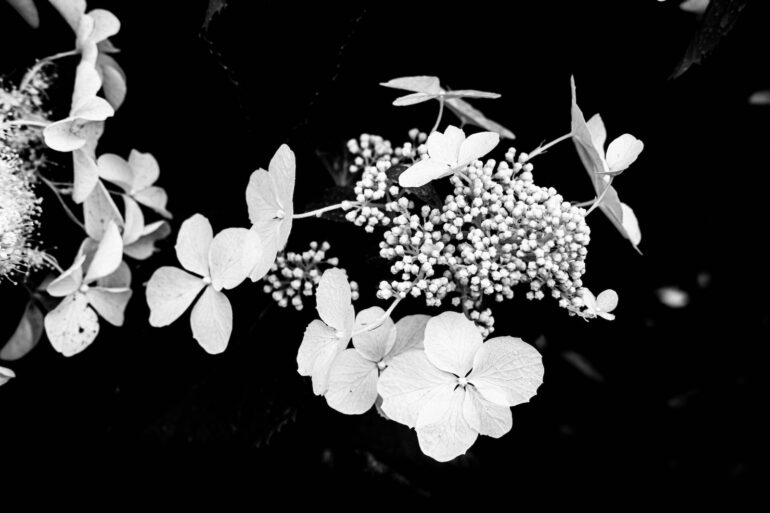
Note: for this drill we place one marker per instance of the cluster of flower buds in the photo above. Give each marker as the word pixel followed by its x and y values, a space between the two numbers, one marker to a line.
pixel 19 211
pixel 295 275
pixel 496 231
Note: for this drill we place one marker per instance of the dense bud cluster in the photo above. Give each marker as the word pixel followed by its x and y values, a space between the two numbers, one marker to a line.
pixel 498 229
pixel 295 275
pixel 19 211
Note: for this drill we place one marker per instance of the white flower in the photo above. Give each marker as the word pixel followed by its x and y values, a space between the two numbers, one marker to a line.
pixel 137 177
pixel 220 262
pixel 326 338
pixel 600 306
pixel 73 325
pixel 459 387
pixel 355 372
pixel 622 152
pixel 448 152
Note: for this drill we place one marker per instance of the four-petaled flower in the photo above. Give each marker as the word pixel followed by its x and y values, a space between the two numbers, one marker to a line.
pixel 600 306
pixel 355 372
pixel 220 262
pixel 459 387
pixel 137 177
pixel 447 153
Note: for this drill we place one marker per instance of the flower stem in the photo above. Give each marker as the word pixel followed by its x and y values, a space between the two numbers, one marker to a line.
pixel 64 205
pixel 440 113
pixel 23 122
pixel 318 212
pixel 378 322
pixel 542 149
pixel 601 197
pixel 34 70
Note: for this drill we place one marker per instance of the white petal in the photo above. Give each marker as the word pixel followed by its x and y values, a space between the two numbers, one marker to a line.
pixel 442 431
pixel 113 80
pixel 631 225
pixel 486 417
pixel 422 173
pixel 145 169
pixel 115 169
pixel 71 10
pixel 418 84
pixel 233 254
pixel 87 84
pixel 507 371
pixel 476 146
pixel 413 99
pixel 320 346
pixel 375 343
pixel 155 198
pixel 333 298
pixel 69 281
pixel 134 224
pixel 86 174
pixel 99 210
pixel 607 300
pixel 26 335
pixel 262 197
pixel 282 168
pixel 622 152
pixel 110 304
pixel 410 333
pixel 589 300
pixel 212 321
pixel 144 246
pixel 108 255
pixel 598 133
pixel 120 279
pixel 170 292
pixel 193 243
pixel 72 326
pixel 106 24
pixel 62 135
pixel 451 341
pixel 268 250
pixel 93 109
pixel 6 375
pixel 352 383
pixel 408 383
pixel 445 148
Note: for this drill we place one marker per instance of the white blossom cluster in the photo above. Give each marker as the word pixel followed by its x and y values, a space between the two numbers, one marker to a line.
pixel 294 275
pixel 376 194
pixel 26 102
pixel 19 211
pixel 498 229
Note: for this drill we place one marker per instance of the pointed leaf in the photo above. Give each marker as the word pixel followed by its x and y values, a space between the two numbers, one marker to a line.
pixel 212 321
pixel 507 371
pixel 193 243
pixel 26 336
pixel 451 341
pixel 72 326
pixel 170 292
pixel 352 383
pixel 234 253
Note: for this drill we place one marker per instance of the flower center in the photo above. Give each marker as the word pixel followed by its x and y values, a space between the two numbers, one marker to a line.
pixel 206 280
pixel 340 334
pixel 463 382
pixel 381 365
pixel 280 214
pixel 84 288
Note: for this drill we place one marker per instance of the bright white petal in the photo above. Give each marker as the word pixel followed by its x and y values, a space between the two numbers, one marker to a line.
pixel 445 148
pixel 113 80
pixel 233 254
pixel 352 383
pixel 62 136
pixel 86 174
pixel 144 246
pixel 145 169
pixel 410 333
pixel 418 84
pixel 108 255
pixel 120 279
pixel 476 146
pixel 110 304
pixel 99 210
pixel 598 132
pixel 134 224
pixel 507 371
pixel 268 250
pixel 486 417
pixel 408 383
pixel 115 169
pixel 320 346
pixel 262 197
pixel 93 109
pixel 622 152
pixel 193 243
pixel 87 84
pixel 106 24
pixel 72 326
pixel 375 343
pixel 589 300
pixel 212 321
pixel 607 300
pixel 69 281
pixel 170 292
pixel 155 198
pixel 423 172
pixel 442 430
pixel 451 341
pixel 6 375
pixel 282 168
pixel 333 298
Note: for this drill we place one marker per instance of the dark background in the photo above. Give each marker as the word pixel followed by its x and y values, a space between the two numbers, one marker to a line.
pixel 662 400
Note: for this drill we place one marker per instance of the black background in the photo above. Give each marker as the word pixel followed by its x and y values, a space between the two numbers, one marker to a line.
pixel 672 400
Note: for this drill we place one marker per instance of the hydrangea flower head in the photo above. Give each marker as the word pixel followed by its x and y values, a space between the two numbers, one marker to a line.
pixel 448 152
pixel 459 387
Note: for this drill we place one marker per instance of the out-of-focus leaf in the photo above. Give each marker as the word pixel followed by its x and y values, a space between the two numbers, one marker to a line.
pixel 215 7
pixel 719 19
pixel 760 98
pixel 26 336
pixel 27 10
